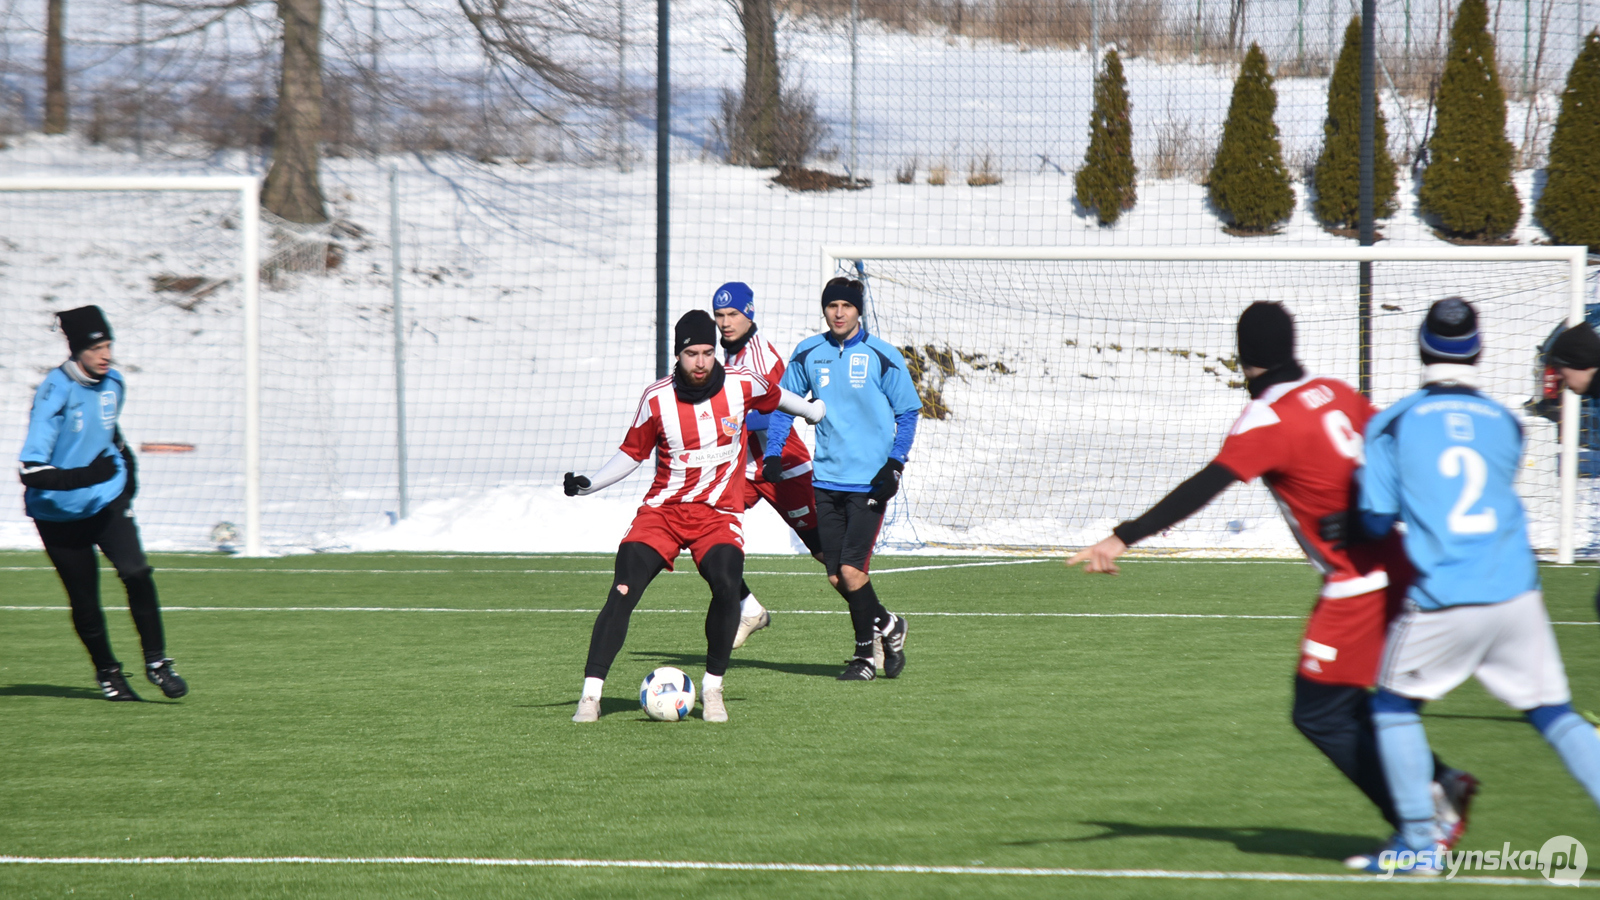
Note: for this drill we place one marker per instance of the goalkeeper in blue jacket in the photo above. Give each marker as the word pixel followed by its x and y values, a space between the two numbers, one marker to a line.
pixel 79 480
pixel 862 447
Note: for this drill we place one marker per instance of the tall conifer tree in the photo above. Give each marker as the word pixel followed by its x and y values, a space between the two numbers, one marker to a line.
pixel 1569 208
pixel 1338 172
pixel 1467 186
pixel 1249 182
pixel 1105 182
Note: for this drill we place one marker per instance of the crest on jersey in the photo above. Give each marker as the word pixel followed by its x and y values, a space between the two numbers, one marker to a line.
pixel 730 426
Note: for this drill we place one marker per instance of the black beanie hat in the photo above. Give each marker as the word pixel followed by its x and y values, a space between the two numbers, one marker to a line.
pixel 84 327
pixel 1450 332
pixel 847 289
pixel 1266 335
pixel 696 327
pixel 1577 348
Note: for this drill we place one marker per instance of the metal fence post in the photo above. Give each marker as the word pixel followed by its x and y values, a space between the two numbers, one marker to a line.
pixel 401 450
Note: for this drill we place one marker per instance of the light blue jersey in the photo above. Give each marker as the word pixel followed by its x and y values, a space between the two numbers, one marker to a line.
pixel 872 407
pixel 69 426
pixel 1445 461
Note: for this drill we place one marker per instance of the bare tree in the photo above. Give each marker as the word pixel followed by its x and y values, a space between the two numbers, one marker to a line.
pixel 293 189
pixel 760 102
pixel 55 68
pixel 1236 13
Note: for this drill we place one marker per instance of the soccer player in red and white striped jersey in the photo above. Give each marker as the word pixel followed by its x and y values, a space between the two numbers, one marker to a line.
pixel 734 307
pixel 693 422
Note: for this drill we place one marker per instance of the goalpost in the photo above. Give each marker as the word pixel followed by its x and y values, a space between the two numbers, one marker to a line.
pixel 1066 389
pixel 119 256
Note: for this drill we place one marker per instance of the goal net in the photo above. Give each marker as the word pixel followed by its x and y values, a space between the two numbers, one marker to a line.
pixel 1063 393
pixel 296 445
pixel 172 262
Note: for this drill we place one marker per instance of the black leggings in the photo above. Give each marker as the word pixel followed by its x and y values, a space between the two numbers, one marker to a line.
pixel 70 546
pixel 1338 720
pixel 637 565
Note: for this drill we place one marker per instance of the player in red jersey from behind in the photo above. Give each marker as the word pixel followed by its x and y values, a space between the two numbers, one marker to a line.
pixel 734 307
pixel 693 422
pixel 1301 435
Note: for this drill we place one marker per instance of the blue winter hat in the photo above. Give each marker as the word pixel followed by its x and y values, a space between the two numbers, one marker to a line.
pixel 737 296
pixel 1450 332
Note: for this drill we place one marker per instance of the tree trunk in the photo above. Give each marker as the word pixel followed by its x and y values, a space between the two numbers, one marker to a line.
pixel 55 68
pixel 759 106
pixel 293 189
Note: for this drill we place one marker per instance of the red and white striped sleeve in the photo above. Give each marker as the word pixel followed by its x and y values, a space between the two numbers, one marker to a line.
pixel 645 431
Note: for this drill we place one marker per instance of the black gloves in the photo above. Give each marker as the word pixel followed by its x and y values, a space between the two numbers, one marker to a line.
pixel 104 468
pixel 575 483
pixel 886 483
pixel 1341 529
pixel 772 469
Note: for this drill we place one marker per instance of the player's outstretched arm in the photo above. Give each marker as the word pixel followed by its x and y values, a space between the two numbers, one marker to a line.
pixel 1185 500
pixel 795 405
pixel 615 469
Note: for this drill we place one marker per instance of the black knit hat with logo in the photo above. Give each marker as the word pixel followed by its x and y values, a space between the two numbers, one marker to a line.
pixel 84 327
pixel 695 327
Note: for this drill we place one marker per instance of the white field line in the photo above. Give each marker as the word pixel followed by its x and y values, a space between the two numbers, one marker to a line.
pixel 272 571
pixel 817 868
pixel 697 612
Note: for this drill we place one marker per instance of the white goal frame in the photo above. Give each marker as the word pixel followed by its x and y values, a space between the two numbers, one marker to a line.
pixel 1576 258
pixel 248 187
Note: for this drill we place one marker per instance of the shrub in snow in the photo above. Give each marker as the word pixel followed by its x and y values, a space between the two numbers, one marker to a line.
pixel 1105 182
pixel 1249 184
pixel 1338 171
pixel 1467 187
pixel 1569 209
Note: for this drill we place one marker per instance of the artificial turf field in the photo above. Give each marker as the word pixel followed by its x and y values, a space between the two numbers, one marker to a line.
pixel 1112 741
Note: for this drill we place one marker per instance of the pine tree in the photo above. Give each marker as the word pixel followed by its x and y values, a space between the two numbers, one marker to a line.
pixel 1338 172
pixel 1105 182
pixel 1569 208
pixel 1467 186
pixel 1249 182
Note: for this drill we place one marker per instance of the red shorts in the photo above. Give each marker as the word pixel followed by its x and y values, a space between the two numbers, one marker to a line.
pixel 1345 637
pixel 792 498
pixel 672 527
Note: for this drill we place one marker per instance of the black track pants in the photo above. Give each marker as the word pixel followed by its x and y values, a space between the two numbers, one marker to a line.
pixel 1338 720
pixel 637 565
pixel 71 546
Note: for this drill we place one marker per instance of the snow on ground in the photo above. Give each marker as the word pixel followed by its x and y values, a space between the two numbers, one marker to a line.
pixel 528 292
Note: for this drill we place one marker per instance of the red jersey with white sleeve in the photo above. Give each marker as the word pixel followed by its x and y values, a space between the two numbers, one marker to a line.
pixel 761 357
pixel 1303 438
pixel 699 447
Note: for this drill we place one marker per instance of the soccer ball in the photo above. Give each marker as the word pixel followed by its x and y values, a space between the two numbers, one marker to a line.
pixel 667 694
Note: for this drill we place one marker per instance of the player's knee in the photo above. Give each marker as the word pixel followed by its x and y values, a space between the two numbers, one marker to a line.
pixel 1390 709
pixel 1545 718
pixel 143 573
pixel 723 569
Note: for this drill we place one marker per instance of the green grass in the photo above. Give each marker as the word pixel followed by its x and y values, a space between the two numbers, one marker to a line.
pixel 1106 743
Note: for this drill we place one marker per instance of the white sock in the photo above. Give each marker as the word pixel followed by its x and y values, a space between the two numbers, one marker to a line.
pixel 750 606
pixel 592 686
pixel 711 683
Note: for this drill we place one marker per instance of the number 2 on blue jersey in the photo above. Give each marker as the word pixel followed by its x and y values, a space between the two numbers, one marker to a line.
pixel 1465 463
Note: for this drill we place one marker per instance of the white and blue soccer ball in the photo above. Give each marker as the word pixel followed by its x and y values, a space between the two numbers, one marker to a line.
pixel 667 694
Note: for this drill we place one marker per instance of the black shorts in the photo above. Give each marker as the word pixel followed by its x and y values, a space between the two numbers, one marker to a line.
pixel 113 529
pixel 847 528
